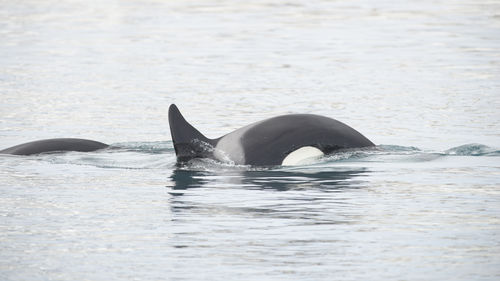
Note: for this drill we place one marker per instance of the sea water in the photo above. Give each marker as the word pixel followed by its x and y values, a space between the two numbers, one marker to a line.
pixel 421 79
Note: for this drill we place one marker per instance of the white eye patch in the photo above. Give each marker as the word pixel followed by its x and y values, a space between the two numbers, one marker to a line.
pixel 302 156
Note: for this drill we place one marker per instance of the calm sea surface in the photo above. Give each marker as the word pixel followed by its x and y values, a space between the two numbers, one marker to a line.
pixel 421 79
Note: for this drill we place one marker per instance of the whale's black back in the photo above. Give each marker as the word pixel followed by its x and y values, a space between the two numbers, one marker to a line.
pixel 270 141
pixel 52 145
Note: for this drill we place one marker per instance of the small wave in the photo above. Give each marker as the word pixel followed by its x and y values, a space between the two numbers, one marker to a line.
pixel 377 153
pixel 124 160
pixel 346 155
pixel 207 164
pixel 126 155
pixel 380 153
pixel 473 149
pixel 397 148
pixel 157 147
pixel 159 155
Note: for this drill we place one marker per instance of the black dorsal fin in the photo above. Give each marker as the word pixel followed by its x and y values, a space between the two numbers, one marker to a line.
pixel 188 142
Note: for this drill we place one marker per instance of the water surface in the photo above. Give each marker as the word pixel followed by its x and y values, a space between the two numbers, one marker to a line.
pixel 418 78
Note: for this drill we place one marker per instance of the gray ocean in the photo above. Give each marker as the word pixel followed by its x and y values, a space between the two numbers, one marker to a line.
pixel 421 79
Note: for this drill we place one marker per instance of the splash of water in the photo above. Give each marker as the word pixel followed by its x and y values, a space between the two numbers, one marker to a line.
pixel 473 149
pixel 159 155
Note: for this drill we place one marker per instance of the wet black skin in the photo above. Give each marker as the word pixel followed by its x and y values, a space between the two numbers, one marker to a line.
pixel 270 141
pixel 54 145
pixel 267 142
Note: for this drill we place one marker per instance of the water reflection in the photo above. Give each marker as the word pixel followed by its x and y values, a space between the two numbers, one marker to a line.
pixel 332 179
pixel 299 196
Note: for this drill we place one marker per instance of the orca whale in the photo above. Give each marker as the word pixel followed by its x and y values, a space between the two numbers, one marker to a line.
pixel 53 145
pixel 283 140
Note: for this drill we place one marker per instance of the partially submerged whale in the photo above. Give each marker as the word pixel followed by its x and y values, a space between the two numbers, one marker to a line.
pixel 284 140
pixel 54 145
